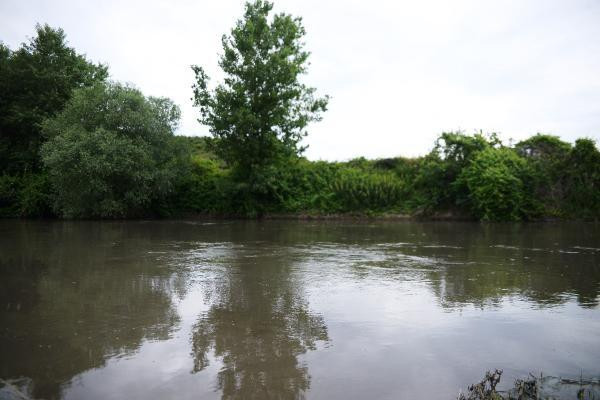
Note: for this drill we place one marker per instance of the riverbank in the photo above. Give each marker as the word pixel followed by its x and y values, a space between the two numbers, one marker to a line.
pixel 352 216
pixel 309 216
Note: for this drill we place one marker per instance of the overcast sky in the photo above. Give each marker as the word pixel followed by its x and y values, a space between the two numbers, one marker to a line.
pixel 398 72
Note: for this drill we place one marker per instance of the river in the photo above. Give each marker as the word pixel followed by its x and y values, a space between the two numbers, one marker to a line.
pixel 292 309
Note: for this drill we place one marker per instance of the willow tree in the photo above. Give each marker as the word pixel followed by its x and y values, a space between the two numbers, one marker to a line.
pixel 259 113
pixel 111 153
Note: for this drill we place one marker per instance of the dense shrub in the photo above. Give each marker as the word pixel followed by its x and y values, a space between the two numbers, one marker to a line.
pixel 293 186
pixel 356 190
pixel 10 188
pixel 496 187
pixel 546 156
pixel 36 196
pixel 436 185
pixel 582 180
pixel 27 195
pixel 204 189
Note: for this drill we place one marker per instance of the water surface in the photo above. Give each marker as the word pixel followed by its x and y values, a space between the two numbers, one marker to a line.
pixel 285 309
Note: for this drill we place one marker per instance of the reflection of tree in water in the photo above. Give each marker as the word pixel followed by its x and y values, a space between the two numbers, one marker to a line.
pixel 467 263
pixel 547 266
pixel 544 283
pixel 89 299
pixel 258 325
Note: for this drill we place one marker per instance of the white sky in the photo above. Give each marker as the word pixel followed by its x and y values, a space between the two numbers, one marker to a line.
pixel 399 72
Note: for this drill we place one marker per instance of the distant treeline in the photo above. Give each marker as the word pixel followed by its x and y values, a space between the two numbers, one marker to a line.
pixel 75 145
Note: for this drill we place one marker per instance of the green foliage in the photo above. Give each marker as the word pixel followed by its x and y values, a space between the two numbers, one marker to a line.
pixel 541 147
pixel 301 186
pixel 296 186
pixel 259 113
pixel 435 185
pixel 36 81
pixel 10 188
pixel 547 157
pixel 582 180
pixel 116 162
pixel 27 195
pixel 458 149
pixel 356 190
pixel 36 196
pixel 304 186
pixel 430 188
pixel 308 187
pixel 495 180
pixel 204 189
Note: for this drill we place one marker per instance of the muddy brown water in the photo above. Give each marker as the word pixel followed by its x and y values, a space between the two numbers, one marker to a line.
pixel 292 309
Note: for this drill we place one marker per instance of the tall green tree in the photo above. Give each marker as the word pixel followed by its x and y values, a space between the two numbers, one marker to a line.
pixel 36 81
pixel 259 113
pixel 112 152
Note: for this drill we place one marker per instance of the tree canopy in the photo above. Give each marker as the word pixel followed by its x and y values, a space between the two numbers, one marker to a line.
pixel 260 112
pixel 36 81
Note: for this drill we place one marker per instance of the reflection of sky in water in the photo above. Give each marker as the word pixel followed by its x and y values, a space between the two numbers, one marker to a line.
pixel 159 368
pixel 331 311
